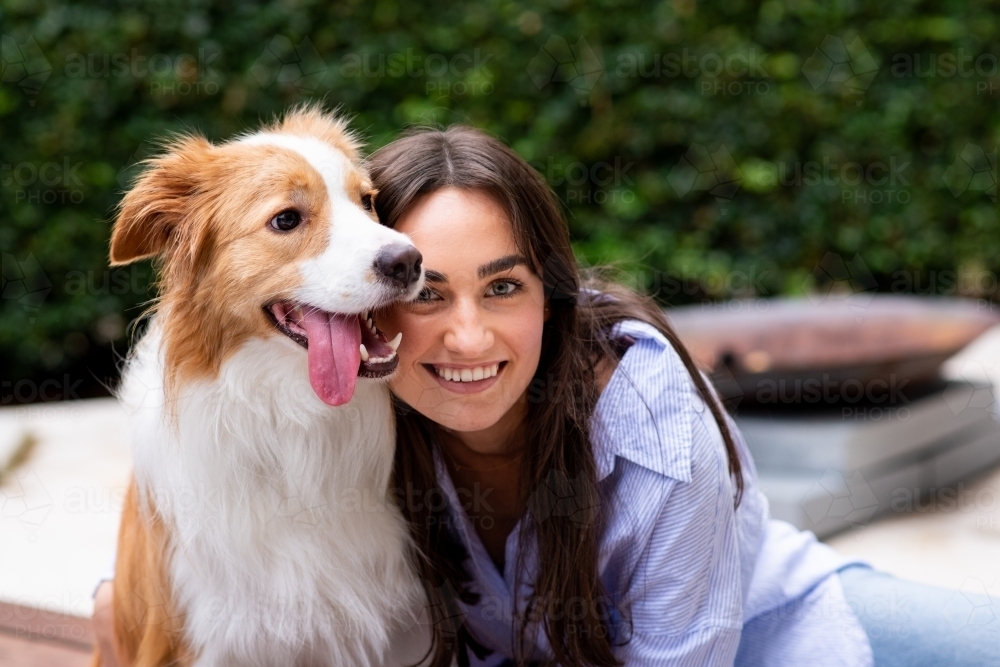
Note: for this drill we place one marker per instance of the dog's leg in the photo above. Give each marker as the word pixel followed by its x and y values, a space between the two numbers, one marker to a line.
pixel 147 626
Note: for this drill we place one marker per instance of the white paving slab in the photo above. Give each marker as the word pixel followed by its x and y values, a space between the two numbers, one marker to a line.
pixel 951 539
pixel 59 510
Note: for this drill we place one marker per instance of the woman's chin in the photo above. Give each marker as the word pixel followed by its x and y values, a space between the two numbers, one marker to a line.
pixel 465 423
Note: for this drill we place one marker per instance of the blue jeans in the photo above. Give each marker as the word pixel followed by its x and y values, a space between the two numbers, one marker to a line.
pixel 913 625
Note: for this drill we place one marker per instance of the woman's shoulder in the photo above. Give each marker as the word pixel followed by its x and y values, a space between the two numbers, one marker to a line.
pixel 647 409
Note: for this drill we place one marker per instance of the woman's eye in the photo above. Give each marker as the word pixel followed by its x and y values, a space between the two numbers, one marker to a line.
pixel 503 288
pixel 426 294
pixel 286 220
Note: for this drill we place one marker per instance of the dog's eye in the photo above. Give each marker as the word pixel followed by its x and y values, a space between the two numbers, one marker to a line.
pixel 366 202
pixel 286 220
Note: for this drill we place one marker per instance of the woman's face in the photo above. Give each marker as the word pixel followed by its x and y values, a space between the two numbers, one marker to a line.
pixel 472 339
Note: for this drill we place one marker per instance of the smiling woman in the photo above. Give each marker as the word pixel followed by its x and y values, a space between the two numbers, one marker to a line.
pixel 599 506
pixel 504 357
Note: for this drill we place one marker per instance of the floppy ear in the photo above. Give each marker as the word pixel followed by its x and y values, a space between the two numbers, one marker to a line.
pixel 156 205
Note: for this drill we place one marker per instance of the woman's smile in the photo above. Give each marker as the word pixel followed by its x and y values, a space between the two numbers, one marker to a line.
pixel 466 379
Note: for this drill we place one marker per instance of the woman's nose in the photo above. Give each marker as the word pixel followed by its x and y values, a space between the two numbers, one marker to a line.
pixel 468 334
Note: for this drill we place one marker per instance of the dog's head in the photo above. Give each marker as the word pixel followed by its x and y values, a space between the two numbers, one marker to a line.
pixel 271 235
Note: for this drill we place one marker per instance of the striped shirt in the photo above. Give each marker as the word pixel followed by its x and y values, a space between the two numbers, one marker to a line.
pixel 702 584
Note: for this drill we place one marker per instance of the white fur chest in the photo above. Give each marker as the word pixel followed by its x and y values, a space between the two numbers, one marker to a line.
pixel 287 547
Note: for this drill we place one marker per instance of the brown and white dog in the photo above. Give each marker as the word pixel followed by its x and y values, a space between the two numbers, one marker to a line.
pixel 259 528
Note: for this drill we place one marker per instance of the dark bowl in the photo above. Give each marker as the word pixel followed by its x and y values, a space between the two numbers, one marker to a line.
pixel 755 348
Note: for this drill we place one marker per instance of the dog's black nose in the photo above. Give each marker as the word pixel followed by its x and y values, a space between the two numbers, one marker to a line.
pixel 399 263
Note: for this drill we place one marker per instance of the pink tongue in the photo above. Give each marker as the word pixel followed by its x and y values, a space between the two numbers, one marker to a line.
pixel 334 355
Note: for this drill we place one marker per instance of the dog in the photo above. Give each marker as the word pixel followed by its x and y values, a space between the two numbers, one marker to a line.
pixel 259 527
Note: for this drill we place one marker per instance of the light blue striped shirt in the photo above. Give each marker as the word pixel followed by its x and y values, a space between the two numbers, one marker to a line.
pixel 703 584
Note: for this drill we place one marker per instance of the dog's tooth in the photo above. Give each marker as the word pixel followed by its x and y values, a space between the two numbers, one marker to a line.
pixel 477 373
pixel 364 352
pixel 394 343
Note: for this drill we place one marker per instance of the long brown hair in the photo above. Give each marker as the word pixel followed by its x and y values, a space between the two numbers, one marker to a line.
pixel 559 453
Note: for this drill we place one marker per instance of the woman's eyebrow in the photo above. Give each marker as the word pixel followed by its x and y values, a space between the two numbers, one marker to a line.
pixel 498 265
pixel 432 276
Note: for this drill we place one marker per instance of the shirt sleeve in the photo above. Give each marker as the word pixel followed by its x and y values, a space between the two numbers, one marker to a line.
pixel 685 596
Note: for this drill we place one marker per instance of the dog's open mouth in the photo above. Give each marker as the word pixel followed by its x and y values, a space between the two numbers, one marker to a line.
pixel 342 347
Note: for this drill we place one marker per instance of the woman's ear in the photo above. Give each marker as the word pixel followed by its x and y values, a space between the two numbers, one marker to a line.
pixel 155 206
pixel 548 311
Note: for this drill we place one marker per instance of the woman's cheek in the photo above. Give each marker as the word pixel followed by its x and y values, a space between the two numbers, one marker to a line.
pixel 411 381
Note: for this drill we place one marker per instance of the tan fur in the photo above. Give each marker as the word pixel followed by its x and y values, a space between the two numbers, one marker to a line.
pixel 146 625
pixel 311 121
pixel 357 183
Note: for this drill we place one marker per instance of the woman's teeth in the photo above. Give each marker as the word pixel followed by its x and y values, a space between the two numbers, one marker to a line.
pixel 467 374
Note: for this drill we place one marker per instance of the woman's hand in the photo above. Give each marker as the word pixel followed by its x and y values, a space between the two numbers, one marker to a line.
pixel 104 627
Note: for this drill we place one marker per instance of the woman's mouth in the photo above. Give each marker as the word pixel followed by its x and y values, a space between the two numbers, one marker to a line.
pixel 466 379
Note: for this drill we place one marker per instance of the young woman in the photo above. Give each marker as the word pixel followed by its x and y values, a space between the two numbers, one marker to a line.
pixel 577 494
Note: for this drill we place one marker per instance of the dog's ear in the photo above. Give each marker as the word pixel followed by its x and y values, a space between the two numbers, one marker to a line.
pixel 151 212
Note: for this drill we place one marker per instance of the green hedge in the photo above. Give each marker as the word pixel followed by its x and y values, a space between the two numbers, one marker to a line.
pixel 713 149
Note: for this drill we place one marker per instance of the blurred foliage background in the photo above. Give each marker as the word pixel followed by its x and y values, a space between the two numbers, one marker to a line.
pixel 712 149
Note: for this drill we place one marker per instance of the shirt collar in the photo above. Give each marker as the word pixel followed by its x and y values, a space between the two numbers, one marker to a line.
pixel 644 414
